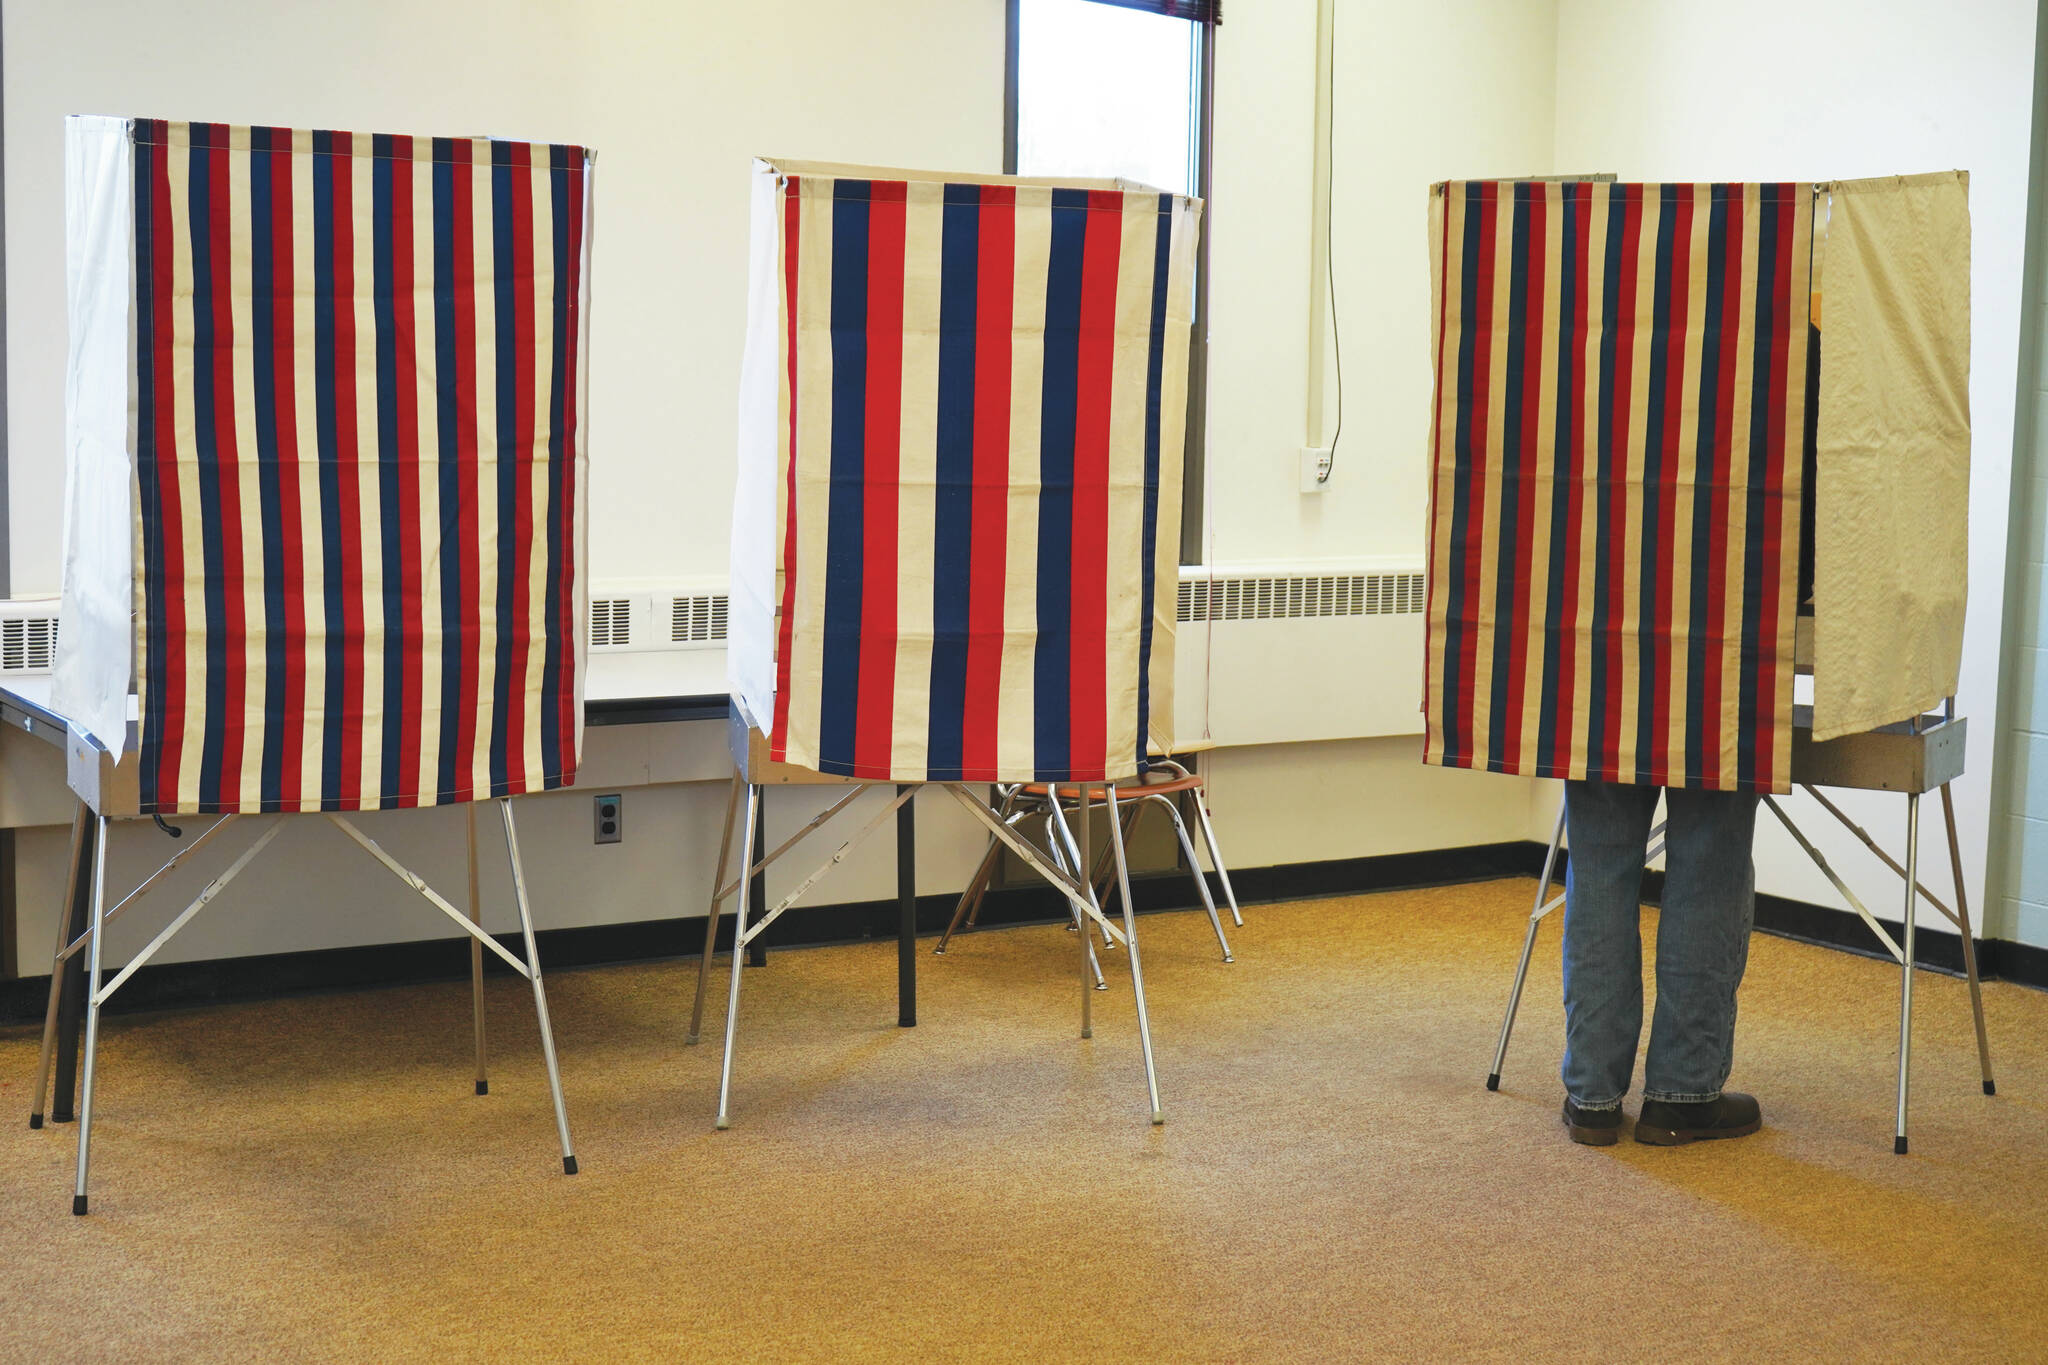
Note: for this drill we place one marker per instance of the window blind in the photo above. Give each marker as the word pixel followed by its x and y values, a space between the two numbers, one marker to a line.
pixel 1200 11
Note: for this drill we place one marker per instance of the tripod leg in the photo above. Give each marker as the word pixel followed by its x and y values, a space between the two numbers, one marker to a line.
pixel 1507 1023
pixel 745 893
pixel 1123 877
pixel 732 804
pixel 1955 861
pixel 540 995
pixel 92 1016
pixel 1906 973
pixel 476 959
pixel 66 931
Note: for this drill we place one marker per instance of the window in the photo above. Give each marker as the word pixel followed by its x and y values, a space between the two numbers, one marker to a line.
pixel 1106 88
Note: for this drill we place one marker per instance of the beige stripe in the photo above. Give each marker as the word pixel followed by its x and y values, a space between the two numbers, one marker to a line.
pixel 813 464
pixel 426 775
pixel 1681 553
pixel 1488 612
pixel 1016 739
pixel 530 704
pixel 1173 410
pixel 1542 458
pixel 369 479
pixel 306 417
pixel 1797 298
pixel 192 528
pixel 1126 606
pixel 917 478
pixel 1584 644
pixel 1733 574
pixel 1634 653
pixel 487 529
pixel 1446 216
pixel 244 789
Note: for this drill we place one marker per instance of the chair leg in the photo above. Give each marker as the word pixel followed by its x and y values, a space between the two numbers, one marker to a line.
pixel 1057 834
pixel 970 897
pixel 1187 848
pixel 1955 861
pixel 1216 855
pixel 540 995
pixel 66 931
pixel 476 959
pixel 732 803
pixel 1059 860
pixel 92 1016
pixel 744 892
pixel 1906 973
pixel 1123 877
pixel 1536 913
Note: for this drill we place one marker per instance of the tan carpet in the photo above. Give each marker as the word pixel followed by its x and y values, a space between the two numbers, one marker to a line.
pixel 312 1178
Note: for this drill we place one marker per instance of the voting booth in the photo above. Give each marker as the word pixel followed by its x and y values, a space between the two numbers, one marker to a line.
pixel 1690 441
pixel 325 508
pixel 956 523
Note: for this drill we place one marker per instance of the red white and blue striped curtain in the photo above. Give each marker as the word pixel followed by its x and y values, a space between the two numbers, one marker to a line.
pixel 358 386
pixel 982 408
pixel 1620 397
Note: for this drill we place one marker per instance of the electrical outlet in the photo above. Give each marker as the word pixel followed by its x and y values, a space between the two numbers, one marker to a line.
pixel 610 816
pixel 1315 468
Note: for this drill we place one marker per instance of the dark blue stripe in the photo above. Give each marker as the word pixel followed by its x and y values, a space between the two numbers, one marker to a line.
pixel 1052 728
pixel 208 350
pixel 157 673
pixel 1155 368
pixel 560 469
pixel 447 413
pixel 1767 322
pixel 396 588
pixel 1456 743
pixel 336 694
pixel 270 494
pixel 503 275
pixel 1509 531
pixel 1571 229
pixel 845 544
pixel 953 518
pixel 1707 484
pixel 1600 759
pixel 1651 557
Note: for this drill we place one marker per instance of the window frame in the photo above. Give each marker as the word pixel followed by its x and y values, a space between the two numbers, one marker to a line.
pixel 1194 457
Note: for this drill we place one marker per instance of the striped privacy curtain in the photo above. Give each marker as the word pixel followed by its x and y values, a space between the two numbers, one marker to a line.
pixel 1613 558
pixel 359 458
pixel 982 397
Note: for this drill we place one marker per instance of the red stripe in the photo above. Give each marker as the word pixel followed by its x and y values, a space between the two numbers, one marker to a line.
pixel 1536 337
pixel 1576 460
pixel 412 629
pixel 1667 490
pixel 349 471
pixel 1088 664
pixel 1436 457
pixel 512 693
pixel 1466 700
pixel 1774 491
pixel 882 443
pixel 234 621
pixel 572 444
pixel 284 385
pixel 778 745
pixel 463 180
pixel 1619 570
pixel 1723 488
pixel 989 532
pixel 172 526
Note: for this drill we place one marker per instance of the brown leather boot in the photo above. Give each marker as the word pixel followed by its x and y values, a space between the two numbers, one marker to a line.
pixel 1665 1124
pixel 1593 1127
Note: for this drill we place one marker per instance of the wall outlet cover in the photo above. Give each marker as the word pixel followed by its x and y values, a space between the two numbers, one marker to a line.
pixel 1315 468
pixel 609 817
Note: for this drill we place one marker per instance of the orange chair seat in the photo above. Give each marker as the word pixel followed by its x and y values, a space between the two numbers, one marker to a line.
pixel 1072 791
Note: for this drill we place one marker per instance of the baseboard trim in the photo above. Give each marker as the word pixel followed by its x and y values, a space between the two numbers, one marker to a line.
pixel 180 985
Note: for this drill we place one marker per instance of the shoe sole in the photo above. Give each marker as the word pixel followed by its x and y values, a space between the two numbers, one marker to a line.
pixel 1679 1137
pixel 1593 1137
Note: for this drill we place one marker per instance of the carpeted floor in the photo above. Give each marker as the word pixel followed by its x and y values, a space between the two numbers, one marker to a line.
pixel 313 1179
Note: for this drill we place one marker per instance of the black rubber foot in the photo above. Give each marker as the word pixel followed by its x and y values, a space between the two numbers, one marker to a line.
pixel 36 1120
pixel 483 1087
pixel 1493 1081
pixel 78 1206
pixel 1990 1088
pixel 1898 1146
pixel 568 1165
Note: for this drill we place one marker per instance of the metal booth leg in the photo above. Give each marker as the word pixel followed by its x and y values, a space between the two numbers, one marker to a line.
pixel 1906 972
pixel 92 1012
pixel 1955 862
pixel 1536 914
pixel 1123 878
pixel 68 928
pixel 732 805
pixel 476 959
pixel 1083 874
pixel 540 995
pixel 744 891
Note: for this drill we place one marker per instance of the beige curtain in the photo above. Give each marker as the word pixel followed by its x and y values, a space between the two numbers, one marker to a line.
pixel 1891 498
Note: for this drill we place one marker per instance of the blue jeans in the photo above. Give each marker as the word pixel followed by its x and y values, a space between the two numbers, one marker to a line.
pixel 1702 940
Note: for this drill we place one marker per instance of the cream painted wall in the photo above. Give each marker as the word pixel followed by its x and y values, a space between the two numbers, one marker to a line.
pixel 1762 90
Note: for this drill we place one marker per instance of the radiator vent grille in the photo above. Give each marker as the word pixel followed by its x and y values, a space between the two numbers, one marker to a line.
pixel 697 619
pixel 1294 596
pixel 611 622
pixel 27 644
